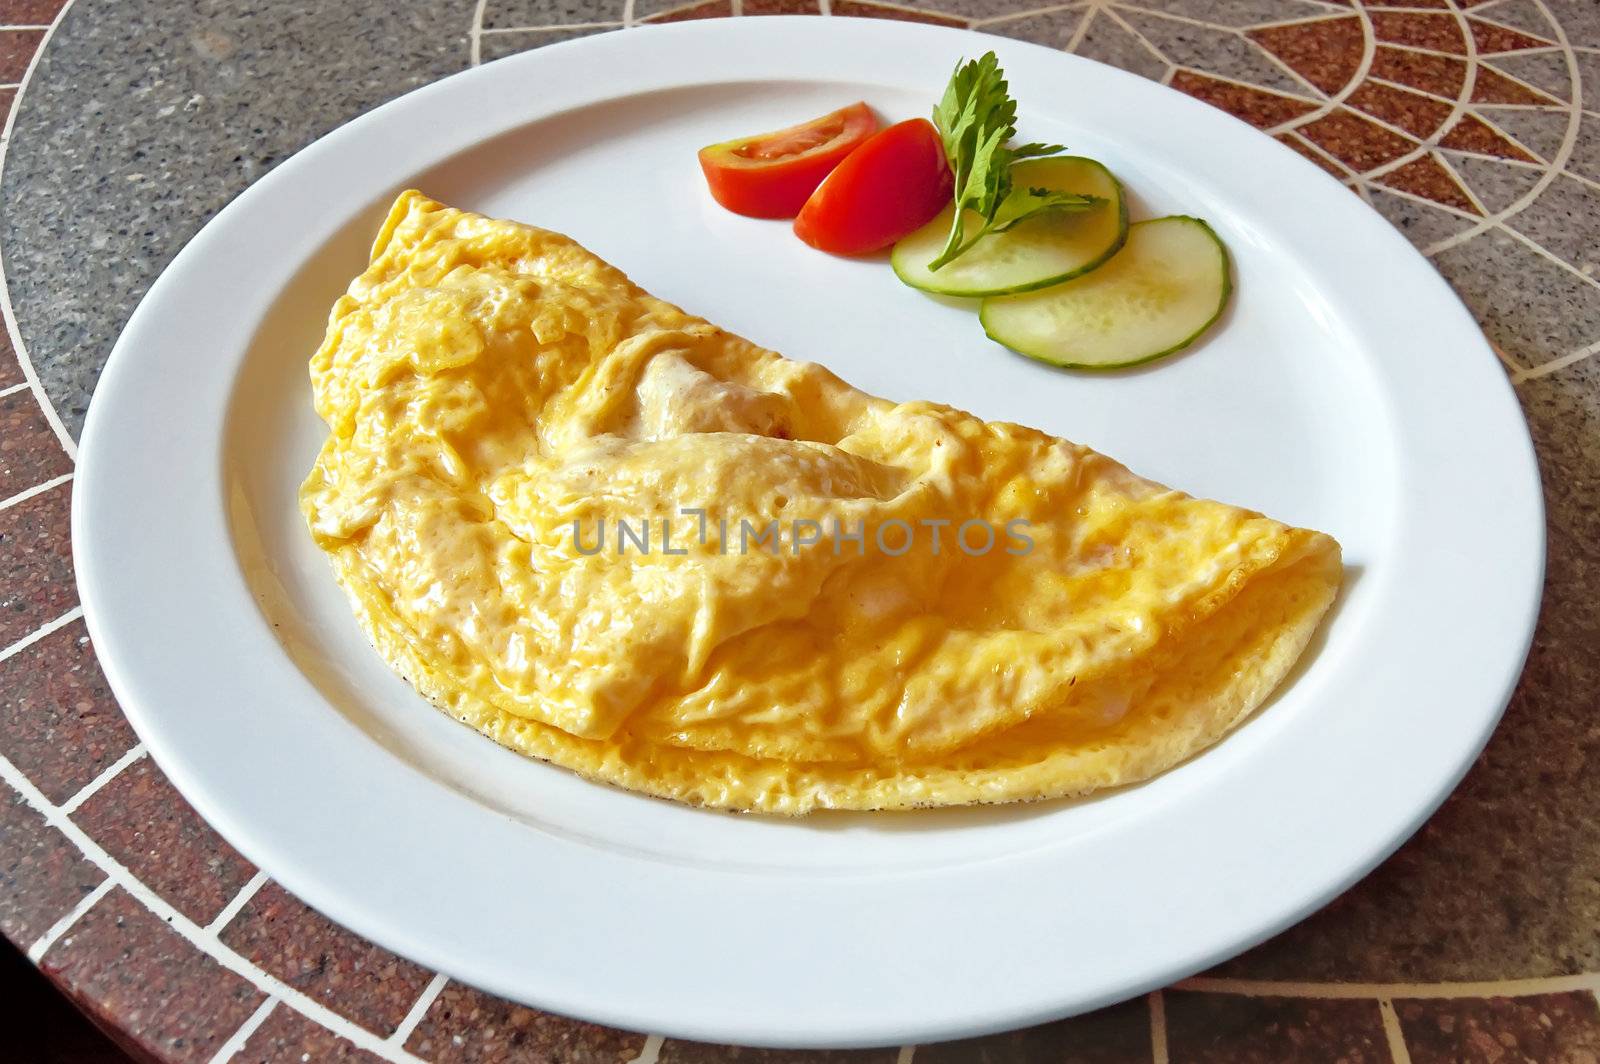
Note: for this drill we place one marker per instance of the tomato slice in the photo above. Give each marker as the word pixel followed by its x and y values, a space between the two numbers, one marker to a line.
pixel 771 174
pixel 891 186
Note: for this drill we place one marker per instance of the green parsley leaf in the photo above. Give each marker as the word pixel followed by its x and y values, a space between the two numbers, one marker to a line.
pixel 976 117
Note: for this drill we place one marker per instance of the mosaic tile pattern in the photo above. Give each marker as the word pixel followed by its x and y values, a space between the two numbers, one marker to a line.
pixel 1470 124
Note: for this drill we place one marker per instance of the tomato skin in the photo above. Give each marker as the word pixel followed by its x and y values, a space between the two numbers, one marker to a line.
pixel 886 189
pixel 770 175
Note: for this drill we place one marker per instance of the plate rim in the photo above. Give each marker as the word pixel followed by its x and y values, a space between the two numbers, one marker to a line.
pixel 122 646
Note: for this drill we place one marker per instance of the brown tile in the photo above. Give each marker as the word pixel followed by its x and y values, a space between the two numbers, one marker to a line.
pixel 7 98
pixel 1413 112
pixel 1490 86
pixel 1117 1035
pixel 1428 178
pixel 861 9
pixel 1260 108
pixel 1443 4
pixel 1227 1029
pixel 711 9
pixel 10 368
pixel 1550 1028
pixel 29 12
pixel 58 721
pixel 35 563
pixel 1326 52
pixel 1438 74
pixel 29 451
pixel 137 976
pixel 781 7
pixel 1299 144
pixel 1355 141
pixel 1473 134
pixel 676 1052
pixel 16 49
pixel 467 1026
pixel 1440 32
pixel 142 821
pixel 359 980
pixel 1491 38
pixel 287 1037
pixel 42 874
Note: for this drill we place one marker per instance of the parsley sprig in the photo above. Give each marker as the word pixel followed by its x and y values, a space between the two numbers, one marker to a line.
pixel 977 118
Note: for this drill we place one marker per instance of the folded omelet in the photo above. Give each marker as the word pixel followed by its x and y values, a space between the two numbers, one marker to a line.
pixel 775 628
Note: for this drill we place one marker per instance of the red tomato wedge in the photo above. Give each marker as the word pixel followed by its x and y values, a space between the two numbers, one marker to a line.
pixel 891 186
pixel 770 175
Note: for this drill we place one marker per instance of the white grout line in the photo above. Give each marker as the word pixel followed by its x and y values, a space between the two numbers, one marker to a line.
pixel 14 389
pixel 1386 83
pixel 39 633
pixel 1188 20
pixel 1478 16
pixel 1158 1027
pixel 1501 105
pixel 199 937
pixel 1398 1052
pixel 1582 180
pixel 1128 27
pixel 1466 189
pixel 1536 90
pixel 28 372
pixel 1522 163
pixel 475 34
pixel 1507 361
pixel 1325 16
pixel 26 26
pixel 497 30
pixel 110 772
pixel 1293 74
pixel 1012 16
pixel 1317 101
pixel 42 944
pixel 1438 53
pixel 1544 369
pixel 225 916
pixel 229 1049
pixel 38 489
pixel 906 1055
pixel 1499 988
pixel 628 10
pixel 650 1052
pixel 1082 32
pixel 419 1008
pixel 1321 152
pixel 1545 252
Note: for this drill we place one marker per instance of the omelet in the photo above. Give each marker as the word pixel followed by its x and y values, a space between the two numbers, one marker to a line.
pixel 612 536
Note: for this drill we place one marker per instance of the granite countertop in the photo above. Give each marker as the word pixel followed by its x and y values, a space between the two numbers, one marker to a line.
pixel 1466 123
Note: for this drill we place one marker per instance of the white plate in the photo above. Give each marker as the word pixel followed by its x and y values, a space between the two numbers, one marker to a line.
pixel 1348 390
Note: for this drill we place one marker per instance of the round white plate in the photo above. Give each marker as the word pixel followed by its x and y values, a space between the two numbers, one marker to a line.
pixel 1347 390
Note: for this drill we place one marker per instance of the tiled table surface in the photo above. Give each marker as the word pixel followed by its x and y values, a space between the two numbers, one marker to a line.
pixel 1468 123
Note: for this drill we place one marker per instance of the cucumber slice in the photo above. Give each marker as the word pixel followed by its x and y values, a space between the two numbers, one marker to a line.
pixel 1040 252
pixel 1156 296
